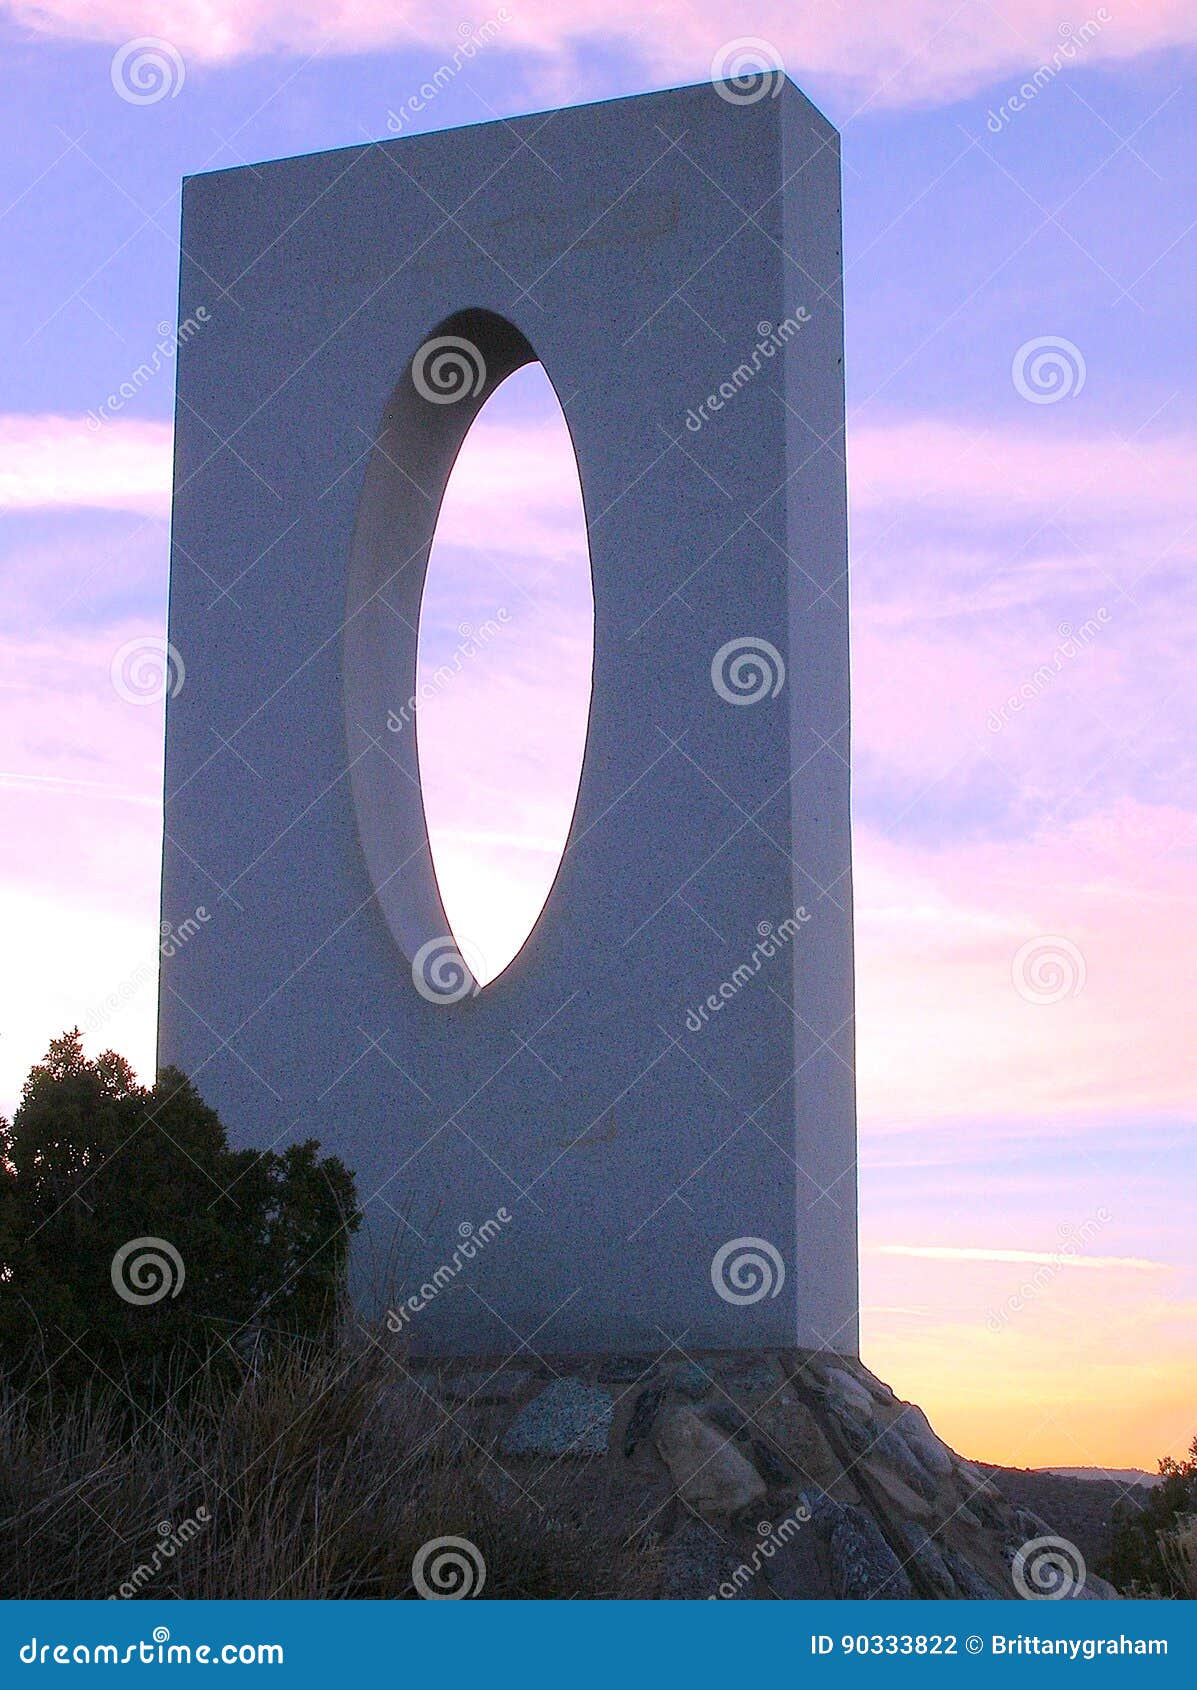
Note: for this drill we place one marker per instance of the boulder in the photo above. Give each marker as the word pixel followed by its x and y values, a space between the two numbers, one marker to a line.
pixel 791 1428
pixel 569 1417
pixel 863 1566
pixel 849 1393
pixel 896 1492
pixel 915 1428
pixel 710 1473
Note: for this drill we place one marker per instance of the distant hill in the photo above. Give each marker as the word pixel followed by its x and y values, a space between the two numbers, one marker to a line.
pixel 1120 1475
pixel 1076 1502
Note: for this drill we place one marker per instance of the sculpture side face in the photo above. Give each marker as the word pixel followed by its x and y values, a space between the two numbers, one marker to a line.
pixel 657 1095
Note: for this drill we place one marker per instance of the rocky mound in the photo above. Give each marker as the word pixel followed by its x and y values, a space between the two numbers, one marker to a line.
pixel 774 1474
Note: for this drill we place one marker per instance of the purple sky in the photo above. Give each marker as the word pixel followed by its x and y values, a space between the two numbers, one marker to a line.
pixel 1021 530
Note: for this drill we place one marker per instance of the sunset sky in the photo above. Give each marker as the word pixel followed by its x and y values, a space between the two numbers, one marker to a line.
pixel 1021 530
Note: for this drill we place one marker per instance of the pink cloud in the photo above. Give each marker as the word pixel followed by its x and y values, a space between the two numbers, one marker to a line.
pixel 973 469
pixel 82 770
pixel 910 50
pixel 81 851
pixel 499 455
pixel 49 462
pixel 952 1024
pixel 1022 613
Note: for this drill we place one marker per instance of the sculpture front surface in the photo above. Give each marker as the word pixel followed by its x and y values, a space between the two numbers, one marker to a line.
pixel 645 1127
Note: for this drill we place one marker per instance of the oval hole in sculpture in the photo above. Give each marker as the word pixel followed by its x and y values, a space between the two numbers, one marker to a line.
pixel 505 653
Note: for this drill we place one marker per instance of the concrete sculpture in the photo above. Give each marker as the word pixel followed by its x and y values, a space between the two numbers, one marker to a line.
pixel 644 1130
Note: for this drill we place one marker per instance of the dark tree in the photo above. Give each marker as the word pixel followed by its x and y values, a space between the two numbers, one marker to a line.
pixel 135 1242
pixel 1151 1551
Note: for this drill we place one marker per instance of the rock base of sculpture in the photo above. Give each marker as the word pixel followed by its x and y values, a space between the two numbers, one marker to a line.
pixel 777 1474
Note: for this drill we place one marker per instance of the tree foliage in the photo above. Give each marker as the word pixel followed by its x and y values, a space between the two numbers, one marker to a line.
pixel 91 1164
pixel 1151 1550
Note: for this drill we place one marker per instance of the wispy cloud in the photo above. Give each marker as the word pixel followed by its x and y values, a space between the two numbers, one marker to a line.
pixel 63 783
pixel 58 462
pixel 971 469
pixel 1026 1258
pixel 947 1014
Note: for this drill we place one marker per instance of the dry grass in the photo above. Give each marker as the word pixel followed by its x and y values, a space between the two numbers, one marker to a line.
pixel 310 1475
pixel 1179 1551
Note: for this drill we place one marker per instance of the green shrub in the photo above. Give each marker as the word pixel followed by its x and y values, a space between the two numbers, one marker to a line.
pixel 132 1238
pixel 1153 1552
